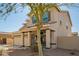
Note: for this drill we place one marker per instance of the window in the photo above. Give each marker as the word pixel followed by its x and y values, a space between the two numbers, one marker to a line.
pixel 4 40
pixel 60 22
pixel 45 17
pixel 66 25
pixel 33 19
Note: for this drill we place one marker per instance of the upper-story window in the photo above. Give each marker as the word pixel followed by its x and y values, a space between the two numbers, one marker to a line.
pixel 60 22
pixel 66 26
pixel 45 18
pixel 33 19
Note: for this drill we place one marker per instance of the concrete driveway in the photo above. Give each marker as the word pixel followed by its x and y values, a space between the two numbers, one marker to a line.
pixel 47 52
pixel 60 52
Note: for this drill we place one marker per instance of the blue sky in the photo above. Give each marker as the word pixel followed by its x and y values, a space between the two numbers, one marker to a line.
pixel 15 21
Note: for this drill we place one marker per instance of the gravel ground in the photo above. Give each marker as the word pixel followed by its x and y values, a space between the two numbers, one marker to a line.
pixel 60 52
pixel 47 52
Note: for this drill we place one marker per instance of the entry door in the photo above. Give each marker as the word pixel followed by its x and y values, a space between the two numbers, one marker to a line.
pixel 0 41
pixel 43 38
pixel 4 40
pixel 33 40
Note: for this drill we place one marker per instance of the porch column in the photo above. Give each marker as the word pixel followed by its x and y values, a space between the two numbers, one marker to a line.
pixel 53 40
pixel 23 39
pixel 29 39
pixel 48 38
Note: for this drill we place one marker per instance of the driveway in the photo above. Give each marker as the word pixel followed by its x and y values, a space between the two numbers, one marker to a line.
pixel 47 52
pixel 60 52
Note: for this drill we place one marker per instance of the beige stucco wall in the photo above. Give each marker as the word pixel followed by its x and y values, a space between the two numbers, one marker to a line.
pixel 62 30
pixel 67 20
pixel 17 40
pixel 68 43
pixel 54 13
pixel 48 38
pixel 27 39
pixel 54 17
pixel 9 41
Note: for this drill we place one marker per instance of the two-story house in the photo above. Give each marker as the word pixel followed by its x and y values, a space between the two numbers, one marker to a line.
pixel 56 23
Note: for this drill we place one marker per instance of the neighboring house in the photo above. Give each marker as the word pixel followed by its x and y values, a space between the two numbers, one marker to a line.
pixel 56 23
pixel 6 39
pixel 74 33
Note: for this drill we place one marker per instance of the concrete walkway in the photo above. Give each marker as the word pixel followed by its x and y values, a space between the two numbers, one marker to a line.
pixel 47 52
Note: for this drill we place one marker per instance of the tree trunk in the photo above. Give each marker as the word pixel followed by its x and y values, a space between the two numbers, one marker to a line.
pixel 40 50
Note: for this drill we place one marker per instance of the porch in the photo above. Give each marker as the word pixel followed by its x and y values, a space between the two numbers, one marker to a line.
pixel 48 38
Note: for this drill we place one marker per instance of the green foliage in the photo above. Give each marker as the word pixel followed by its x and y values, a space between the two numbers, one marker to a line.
pixel 38 9
pixel 7 8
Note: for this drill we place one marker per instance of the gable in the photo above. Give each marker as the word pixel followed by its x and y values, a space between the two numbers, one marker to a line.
pixel 68 16
pixel 59 10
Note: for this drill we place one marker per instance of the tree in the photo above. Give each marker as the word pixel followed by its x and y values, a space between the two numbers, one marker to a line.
pixel 37 9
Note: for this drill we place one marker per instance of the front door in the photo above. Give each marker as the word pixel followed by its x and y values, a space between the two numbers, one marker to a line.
pixel 4 41
pixel 43 38
pixel 34 39
pixel 34 43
